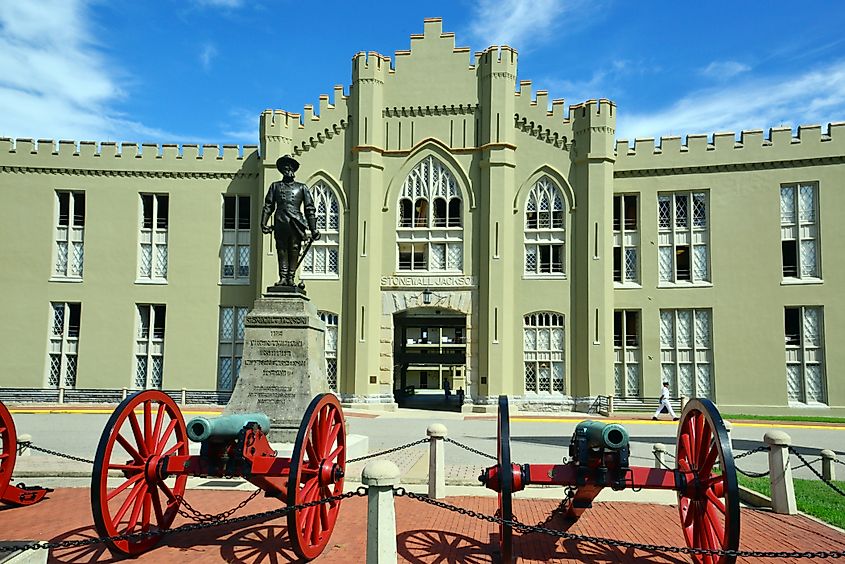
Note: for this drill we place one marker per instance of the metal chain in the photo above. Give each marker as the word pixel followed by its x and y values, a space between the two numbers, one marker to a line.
pixel 388 451
pixel 27 444
pixel 469 448
pixel 750 474
pixel 658 548
pixel 271 514
pixel 832 486
pixel 190 513
pixel 760 448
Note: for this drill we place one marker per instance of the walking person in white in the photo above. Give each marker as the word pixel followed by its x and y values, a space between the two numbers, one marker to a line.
pixel 664 403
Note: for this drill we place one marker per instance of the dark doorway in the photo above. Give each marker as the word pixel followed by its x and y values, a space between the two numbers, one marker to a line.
pixel 429 358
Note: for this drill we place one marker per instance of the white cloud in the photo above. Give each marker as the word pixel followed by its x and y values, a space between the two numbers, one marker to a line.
pixel 724 69
pixel 220 3
pixel 816 96
pixel 518 23
pixel 242 126
pixel 207 53
pixel 54 82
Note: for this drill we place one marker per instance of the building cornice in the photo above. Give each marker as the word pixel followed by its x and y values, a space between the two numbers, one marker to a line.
pixel 730 167
pixel 127 173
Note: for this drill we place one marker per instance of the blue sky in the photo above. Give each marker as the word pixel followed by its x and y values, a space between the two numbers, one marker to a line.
pixel 201 71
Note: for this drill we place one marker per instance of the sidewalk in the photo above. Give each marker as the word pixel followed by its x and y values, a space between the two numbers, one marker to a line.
pixel 424 533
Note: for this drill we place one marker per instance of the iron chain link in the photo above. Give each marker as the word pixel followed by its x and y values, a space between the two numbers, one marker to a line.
pixel 832 486
pixel 190 513
pixel 760 448
pixel 26 444
pixel 469 448
pixel 658 548
pixel 271 514
pixel 388 451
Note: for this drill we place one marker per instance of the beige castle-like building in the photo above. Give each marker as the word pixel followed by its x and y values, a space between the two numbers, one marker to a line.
pixel 470 233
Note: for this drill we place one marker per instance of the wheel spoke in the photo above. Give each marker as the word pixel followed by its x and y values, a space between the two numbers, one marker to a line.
pixel 315 526
pixel 690 515
pixel 157 508
pixel 166 435
pixel 124 442
pixel 145 515
pixel 707 462
pixel 130 499
pixel 126 467
pixel 715 501
pixel 111 495
pixel 718 487
pixel 704 440
pixel 325 429
pixel 158 424
pixel 165 489
pixel 148 426
pixel 716 524
pixel 137 506
pixel 686 448
pixel 4 455
pixel 136 430
pixel 335 453
pixel 304 493
pixel 333 434
pixel 312 454
pixel 174 448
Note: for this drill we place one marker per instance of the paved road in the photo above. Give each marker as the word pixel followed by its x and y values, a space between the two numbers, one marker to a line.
pixel 538 440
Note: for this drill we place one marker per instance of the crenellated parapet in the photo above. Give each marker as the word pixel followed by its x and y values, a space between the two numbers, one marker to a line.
pixel 128 159
pixel 533 116
pixel 593 126
pixel 497 62
pixel 723 151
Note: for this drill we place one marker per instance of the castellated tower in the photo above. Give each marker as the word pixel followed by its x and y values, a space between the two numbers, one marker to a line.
pixel 593 156
pixel 496 71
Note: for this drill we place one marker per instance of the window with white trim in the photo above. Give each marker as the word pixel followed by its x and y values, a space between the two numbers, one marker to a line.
pixel 149 346
pixel 686 352
pixel 331 342
pixel 70 234
pixel 543 351
pixel 64 345
pixel 429 235
pixel 626 347
pixel 323 258
pixel 152 258
pixel 799 230
pixel 804 337
pixel 231 346
pixel 236 239
pixel 545 229
pixel 683 234
pixel 626 239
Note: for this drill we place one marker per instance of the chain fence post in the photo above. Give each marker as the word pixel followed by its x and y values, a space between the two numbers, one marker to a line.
pixel 123 394
pixel 436 463
pixel 610 406
pixel 61 394
pixel 184 396
pixel 23 445
pixel 828 470
pixel 380 476
pixel 684 400
pixel 780 473
pixel 659 450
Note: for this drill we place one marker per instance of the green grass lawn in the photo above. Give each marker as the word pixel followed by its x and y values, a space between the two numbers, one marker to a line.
pixel 813 497
pixel 796 418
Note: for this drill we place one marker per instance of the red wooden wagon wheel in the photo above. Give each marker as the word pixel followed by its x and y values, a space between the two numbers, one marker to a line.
pixel 317 468
pixel 709 500
pixel 8 446
pixel 505 476
pixel 144 428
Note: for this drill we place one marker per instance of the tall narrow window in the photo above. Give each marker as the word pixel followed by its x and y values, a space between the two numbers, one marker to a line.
pixel 70 234
pixel 236 239
pixel 64 345
pixel 804 337
pixel 799 231
pixel 330 319
pixel 683 234
pixel 231 348
pixel 545 226
pixel 323 258
pixel 155 213
pixel 686 353
pixel 149 347
pixel 429 233
pixel 543 350
pixel 626 346
pixel 626 239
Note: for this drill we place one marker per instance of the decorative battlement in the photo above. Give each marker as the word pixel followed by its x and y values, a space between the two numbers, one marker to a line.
pixel 370 66
pixel 497 62
pixel 724 148
pixel 65 154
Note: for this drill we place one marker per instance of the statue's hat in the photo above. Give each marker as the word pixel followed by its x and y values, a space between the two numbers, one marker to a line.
pixel 287 159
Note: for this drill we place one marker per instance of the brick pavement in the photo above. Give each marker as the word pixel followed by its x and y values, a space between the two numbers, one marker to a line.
pixel 425 533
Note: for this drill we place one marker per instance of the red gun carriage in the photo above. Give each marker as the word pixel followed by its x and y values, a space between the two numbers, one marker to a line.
pixel 13 494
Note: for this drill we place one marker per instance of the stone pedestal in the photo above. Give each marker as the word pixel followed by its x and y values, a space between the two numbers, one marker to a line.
pixel 283 364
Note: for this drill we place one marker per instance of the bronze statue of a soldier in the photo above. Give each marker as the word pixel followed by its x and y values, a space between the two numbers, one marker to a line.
pixel 286 197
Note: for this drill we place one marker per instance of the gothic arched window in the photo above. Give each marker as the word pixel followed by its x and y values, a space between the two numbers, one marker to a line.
pixel 545 229
pixel 543 352
pixel 429 234
pixel 323 257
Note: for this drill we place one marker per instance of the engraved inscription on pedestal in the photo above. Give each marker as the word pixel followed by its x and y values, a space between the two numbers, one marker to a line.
pixel 283 364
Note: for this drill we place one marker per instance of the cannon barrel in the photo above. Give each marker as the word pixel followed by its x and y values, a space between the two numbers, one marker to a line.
pixel 225 427
pixel 603 435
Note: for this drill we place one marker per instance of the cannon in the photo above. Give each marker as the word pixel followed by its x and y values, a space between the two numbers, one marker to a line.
pixel 13 494
pixel 704 477
pixel 145 443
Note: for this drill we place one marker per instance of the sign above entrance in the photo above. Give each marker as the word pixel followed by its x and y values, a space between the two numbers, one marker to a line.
pixel 428 282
